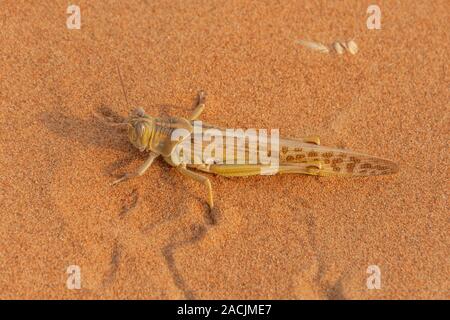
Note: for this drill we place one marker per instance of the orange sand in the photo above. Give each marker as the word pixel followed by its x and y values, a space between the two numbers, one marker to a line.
pixel 283 237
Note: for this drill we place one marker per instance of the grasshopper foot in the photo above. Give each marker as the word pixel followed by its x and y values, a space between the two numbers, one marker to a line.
pixel 125 177
pixel 201 97
pixel 212 216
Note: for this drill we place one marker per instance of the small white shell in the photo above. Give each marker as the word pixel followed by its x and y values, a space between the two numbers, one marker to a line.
pixel 338 47
pixel 314 46
pixel 352 47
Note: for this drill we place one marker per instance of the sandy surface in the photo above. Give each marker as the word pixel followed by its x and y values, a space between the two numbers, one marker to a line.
pixel 283 237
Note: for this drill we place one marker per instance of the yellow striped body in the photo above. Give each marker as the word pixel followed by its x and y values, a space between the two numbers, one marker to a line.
pixel 295 156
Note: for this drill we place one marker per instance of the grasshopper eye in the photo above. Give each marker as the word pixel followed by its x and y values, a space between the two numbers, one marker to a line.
pixel 140 129
pixel 139 112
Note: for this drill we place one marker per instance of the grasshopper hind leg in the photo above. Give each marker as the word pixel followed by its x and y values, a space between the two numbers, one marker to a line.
pixel 311 139
pixel 200 178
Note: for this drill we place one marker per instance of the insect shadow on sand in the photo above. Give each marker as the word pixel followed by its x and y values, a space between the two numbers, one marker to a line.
pixel 129 204
pixel 95 133
pixel 198 232
pixel 110 275
pixel 92 131
pixel 334 290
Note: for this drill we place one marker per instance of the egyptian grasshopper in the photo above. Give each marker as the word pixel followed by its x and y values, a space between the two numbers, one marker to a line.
pixel 302 156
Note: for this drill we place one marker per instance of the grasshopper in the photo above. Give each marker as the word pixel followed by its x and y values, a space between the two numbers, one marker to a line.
pixel 301 156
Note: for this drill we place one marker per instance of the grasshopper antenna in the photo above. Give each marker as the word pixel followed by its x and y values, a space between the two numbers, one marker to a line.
pixel 110 120
pixel 123 87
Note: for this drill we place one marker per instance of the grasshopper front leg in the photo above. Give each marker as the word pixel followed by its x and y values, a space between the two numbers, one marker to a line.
pixel 140 171
pixel 110 121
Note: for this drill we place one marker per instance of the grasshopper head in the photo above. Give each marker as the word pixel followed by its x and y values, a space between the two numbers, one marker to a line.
pixel 140 128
